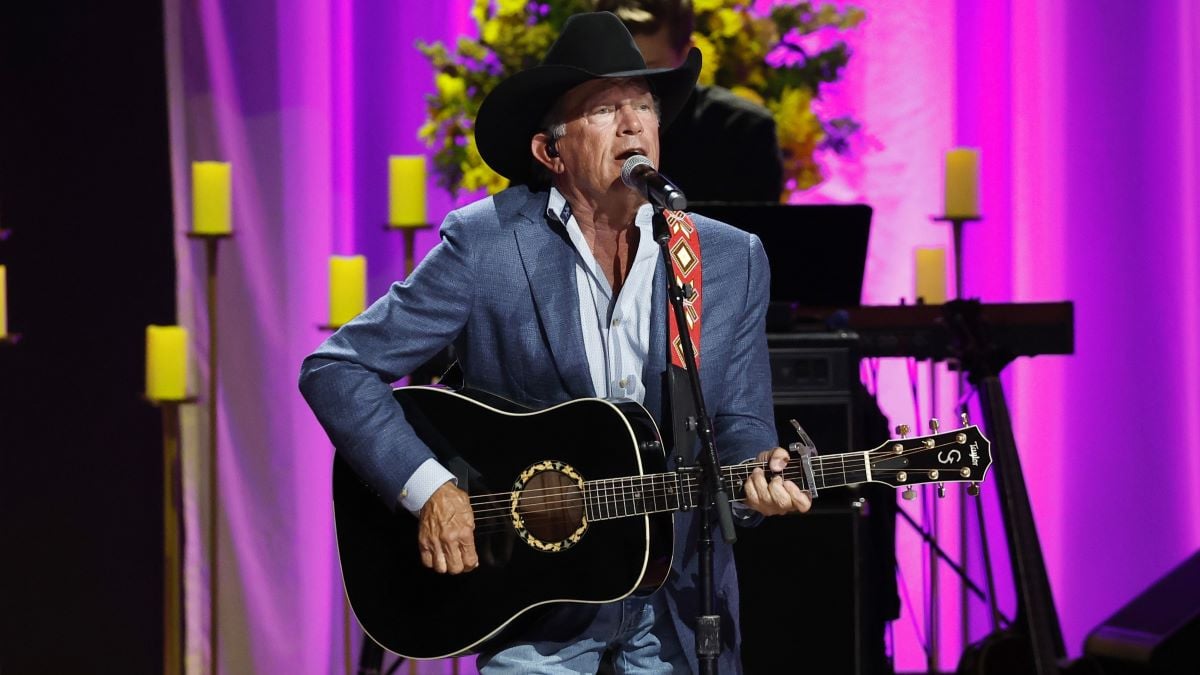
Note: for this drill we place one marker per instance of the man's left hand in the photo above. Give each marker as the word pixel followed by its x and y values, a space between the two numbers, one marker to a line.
pixel 772 496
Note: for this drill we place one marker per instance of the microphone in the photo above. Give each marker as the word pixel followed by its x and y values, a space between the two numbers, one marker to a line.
pixel 639 174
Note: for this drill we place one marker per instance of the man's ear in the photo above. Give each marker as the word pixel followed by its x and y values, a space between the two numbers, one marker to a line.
pixel 545 153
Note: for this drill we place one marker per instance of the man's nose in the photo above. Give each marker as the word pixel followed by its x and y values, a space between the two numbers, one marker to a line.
pixel 628 119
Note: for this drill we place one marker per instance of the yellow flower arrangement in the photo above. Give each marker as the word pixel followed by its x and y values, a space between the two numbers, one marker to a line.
pixel 778 60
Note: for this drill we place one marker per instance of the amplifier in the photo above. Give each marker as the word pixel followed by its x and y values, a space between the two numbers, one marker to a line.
pixel 818 589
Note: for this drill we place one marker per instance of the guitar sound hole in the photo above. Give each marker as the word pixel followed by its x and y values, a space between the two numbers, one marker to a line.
pixel 551 506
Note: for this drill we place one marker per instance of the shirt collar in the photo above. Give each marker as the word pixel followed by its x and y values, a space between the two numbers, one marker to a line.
pixel 559 209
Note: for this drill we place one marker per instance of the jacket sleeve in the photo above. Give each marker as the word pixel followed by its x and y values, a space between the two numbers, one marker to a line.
pixel 347 380
pixel 744 423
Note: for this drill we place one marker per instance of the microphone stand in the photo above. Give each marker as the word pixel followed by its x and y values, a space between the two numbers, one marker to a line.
pixel 713 493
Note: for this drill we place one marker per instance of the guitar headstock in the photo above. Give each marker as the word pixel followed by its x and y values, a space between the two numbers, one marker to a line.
pixel 957 456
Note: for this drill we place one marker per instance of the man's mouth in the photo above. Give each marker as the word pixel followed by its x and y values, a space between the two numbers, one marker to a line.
pixel 630 153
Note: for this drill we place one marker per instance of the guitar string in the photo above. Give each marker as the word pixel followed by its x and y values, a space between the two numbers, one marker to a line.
pixel 603 489
pixel 598 501
pixel 601 494
pixel 818 470
pixel 490 524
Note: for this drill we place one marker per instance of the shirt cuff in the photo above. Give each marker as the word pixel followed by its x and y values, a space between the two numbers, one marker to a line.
pixel 423 483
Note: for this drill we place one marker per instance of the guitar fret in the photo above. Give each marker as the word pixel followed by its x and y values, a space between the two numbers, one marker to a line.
pixel 736 482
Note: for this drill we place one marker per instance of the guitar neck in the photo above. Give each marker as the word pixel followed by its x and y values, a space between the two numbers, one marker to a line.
pixel 656 493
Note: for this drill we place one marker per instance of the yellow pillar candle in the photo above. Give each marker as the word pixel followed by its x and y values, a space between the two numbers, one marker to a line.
pixel 406 190
pixel 347 288
pixel 3 303
pixel 962 182
pixel 166 363
pixel 211 203
pixel 931 275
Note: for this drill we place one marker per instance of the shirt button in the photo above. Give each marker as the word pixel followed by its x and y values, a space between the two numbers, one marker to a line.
pixel 617 321
pixel 404 493
pixel 623 382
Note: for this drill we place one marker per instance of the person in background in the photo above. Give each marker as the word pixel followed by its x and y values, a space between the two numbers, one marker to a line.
pixel 722 147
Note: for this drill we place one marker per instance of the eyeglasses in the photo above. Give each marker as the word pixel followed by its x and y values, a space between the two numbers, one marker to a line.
pixel 606 113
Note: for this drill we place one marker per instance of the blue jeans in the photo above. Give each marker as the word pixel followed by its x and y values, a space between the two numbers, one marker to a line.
pixel 639 631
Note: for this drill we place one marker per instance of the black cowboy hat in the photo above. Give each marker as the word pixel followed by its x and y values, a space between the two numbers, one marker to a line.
pixel 591 46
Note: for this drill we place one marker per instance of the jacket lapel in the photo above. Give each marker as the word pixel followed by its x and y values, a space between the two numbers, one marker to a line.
pixel 549 262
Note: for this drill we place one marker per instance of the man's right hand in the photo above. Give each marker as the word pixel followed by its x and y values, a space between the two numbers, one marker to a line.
pixel 447 531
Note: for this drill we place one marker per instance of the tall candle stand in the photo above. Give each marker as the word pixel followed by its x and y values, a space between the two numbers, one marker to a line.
pixel 211 242
pixel 173 614
pixel 410 245
pixel 957 222
pixel 346 646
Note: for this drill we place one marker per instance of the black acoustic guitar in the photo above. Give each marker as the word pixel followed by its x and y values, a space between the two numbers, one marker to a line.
pixel 572 504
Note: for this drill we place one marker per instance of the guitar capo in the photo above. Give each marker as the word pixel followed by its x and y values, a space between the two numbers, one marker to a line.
pixel 804 450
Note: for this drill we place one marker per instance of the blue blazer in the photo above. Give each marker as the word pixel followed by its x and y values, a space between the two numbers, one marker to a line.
pixel 501 287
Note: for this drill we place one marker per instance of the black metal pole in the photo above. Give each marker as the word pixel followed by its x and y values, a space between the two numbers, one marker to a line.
pixel 712 490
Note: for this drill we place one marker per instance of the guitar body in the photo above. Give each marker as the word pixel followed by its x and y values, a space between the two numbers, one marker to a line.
pixel 525 566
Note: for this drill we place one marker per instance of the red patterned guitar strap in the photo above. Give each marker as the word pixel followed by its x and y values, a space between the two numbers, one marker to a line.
pixel 685 262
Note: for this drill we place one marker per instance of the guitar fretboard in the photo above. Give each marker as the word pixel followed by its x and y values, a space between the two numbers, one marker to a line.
pixel 659 492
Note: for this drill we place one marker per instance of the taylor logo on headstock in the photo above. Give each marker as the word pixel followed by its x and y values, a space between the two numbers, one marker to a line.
pixel 974 454
pixel 950 457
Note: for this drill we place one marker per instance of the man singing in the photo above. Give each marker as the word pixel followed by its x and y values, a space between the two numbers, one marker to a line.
pixel 552 290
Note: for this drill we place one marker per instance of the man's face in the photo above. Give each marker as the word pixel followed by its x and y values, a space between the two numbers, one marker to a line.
pixel 606 121
pixel 657 50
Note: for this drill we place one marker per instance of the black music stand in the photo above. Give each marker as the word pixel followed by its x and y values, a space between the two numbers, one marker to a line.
pixel 818 252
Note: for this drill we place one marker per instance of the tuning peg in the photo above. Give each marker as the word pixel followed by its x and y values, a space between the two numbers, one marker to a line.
pixel 941 490
pixel 902 430
pixel 910 494
pixel 934 425
pixel 973 489
pixel 966 421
